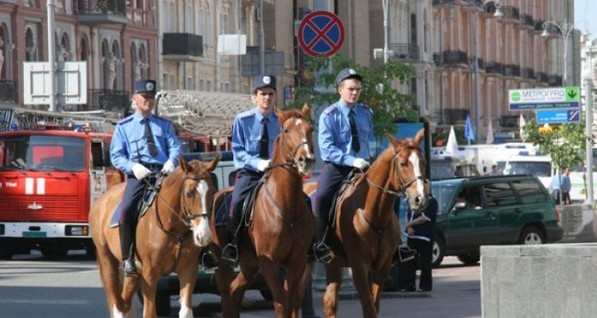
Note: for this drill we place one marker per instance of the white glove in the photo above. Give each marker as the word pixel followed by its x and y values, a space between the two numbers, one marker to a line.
pixel 263 164
pixel 360 163
pixel 168 167
pixel 140 171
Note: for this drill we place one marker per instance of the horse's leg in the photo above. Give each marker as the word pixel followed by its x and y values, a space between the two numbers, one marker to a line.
pixel 224 276
pixel 109 273
pixel 149 283
pixel 330 298
pixel 187 278
pixel 295 286
pixel 378 278
pixel 271 273
pixel 305 280
pixel 360 276
pixel 129 288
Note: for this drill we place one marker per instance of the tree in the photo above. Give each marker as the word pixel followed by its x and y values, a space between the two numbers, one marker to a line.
pixel 564 143
pixel 387 103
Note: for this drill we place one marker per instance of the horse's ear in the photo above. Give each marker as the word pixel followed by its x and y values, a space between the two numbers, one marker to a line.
pixel 182 163
pixel 420 135
pixel 280 115
pixel 306 111
pixel 391 138
pixel 213 163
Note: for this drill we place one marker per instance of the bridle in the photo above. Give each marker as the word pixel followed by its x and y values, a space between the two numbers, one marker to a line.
pixel 403 184
pixel 288 152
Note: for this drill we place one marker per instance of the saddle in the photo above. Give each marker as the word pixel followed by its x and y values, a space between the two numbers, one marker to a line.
pixel 149 195
pixel 350 179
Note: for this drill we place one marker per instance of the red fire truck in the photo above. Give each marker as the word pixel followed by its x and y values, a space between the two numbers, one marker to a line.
pixel 48 181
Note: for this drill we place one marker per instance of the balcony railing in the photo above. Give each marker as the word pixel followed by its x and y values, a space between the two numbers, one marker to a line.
pixel 493 68
pixel 450 58
pixel 527 20
pixel 405 51
pixel 554 80
pixel 527 72
pixel 109 100
pixel 511 70
pixel 8 91
pixel 509 121
pixel 182 44
pixel 100 11
pixel 541 77
pixel 455 116
pixel 511 13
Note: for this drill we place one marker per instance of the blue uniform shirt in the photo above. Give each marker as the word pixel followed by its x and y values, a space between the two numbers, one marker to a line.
pixel 335 136
pixel 246 137
pixel 129 143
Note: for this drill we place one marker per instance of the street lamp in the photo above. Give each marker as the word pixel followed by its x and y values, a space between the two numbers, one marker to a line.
pixel 565 29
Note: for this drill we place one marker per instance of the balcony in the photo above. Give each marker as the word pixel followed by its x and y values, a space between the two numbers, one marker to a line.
pixel 100 11
pixel 451 58
pixel 511 70
pixel 493 68
pixel 405 51
pixel 509 121
pixel 455 116
pixel 554 80
pixel 527 20
pixel 527 73
pixel 8 91
pixel 511 15
pixel 108 100
pixel 182 46
pixel 541 77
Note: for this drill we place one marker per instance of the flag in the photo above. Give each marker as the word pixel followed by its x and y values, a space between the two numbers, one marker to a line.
pixel 489 133
pixel 452 144
pixel 469 134
pixel 521 124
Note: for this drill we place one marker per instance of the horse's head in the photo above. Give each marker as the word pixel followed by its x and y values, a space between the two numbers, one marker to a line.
pixel 409 169
pixel 197 197
pixel 296 139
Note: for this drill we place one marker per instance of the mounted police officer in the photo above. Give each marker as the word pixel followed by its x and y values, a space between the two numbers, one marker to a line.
pixel 345 129
pixel 253 136
pixel 143 145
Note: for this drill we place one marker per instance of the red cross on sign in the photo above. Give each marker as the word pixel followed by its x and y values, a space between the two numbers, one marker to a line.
pixel 321 33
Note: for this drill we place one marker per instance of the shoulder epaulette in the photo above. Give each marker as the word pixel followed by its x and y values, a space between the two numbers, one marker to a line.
pixel 246 114
pixel 330 109
pixel 162 118
pixel 125 120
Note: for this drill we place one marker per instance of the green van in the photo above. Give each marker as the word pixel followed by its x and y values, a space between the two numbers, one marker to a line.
pixel 496 210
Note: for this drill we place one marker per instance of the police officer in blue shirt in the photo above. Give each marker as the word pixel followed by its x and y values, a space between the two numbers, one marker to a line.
pixel 143 145
pixel 253 135
pixel 345 129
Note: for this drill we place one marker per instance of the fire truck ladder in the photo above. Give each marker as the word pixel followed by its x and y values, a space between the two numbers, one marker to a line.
pixel 29 119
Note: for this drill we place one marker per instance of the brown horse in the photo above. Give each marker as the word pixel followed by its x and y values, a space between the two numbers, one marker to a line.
pixel 366 232
pixel 281 226
pixel 169 238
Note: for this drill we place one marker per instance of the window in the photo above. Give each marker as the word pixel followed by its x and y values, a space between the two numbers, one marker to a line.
pixel 500 194
pixel 529 191
pixel 43 153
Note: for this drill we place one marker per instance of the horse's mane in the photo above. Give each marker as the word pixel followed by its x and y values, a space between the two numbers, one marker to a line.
pixel 173 177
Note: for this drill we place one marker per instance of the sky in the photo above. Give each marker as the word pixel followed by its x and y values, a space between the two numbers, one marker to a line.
pixel 584 16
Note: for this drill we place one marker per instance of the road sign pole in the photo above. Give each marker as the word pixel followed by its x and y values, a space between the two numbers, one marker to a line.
pixel 589 145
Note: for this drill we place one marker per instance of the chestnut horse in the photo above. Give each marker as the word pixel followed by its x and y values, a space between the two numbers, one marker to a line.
pixel 366 232
pixel 281 226
pixel 169 238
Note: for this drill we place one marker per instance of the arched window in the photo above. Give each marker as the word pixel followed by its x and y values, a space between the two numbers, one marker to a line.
pixel 30 45
pixel 63 51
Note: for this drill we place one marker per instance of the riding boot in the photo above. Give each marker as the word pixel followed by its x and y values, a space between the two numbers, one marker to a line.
pixel 126 246
pixel 230 251
pixel 321 250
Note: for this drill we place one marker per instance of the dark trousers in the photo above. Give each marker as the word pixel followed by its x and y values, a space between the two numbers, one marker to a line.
pixel 245 181
pixel 133 192
pixel 328 185
pixel 407 270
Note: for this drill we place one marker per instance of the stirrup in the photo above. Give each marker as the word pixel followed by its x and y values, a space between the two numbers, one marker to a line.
pixel 323 253
pixel 129 268
pixel 209 260
pixel 230 253
pixel 404 254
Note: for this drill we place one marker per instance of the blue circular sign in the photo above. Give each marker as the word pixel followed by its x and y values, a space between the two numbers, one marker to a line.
pixel 321 33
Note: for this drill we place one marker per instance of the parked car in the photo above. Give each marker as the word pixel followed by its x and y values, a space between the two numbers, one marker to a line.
pixel 497 210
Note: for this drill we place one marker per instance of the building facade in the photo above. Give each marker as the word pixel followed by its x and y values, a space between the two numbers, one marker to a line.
pixel 116 39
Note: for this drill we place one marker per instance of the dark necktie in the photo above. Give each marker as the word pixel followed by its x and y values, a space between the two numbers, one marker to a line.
pixel 356 146
pixel 153 150
pixel 263 149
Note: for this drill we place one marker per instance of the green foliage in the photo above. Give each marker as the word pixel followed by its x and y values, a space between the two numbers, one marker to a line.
pixel 565 143
pixel 386 106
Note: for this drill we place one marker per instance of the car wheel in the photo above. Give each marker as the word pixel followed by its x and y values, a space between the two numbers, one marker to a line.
pixel 6 252
pixel 162 303
pixel 90 251
pixel 438 252
pixel 531 235
pixel 469 259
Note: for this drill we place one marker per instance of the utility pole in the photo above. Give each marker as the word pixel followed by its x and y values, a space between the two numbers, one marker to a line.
pixel 51 58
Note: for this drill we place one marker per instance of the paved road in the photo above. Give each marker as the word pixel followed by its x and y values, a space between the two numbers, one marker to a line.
pixel 32 286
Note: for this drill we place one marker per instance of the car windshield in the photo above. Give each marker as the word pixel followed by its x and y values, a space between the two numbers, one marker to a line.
pixel 444 193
